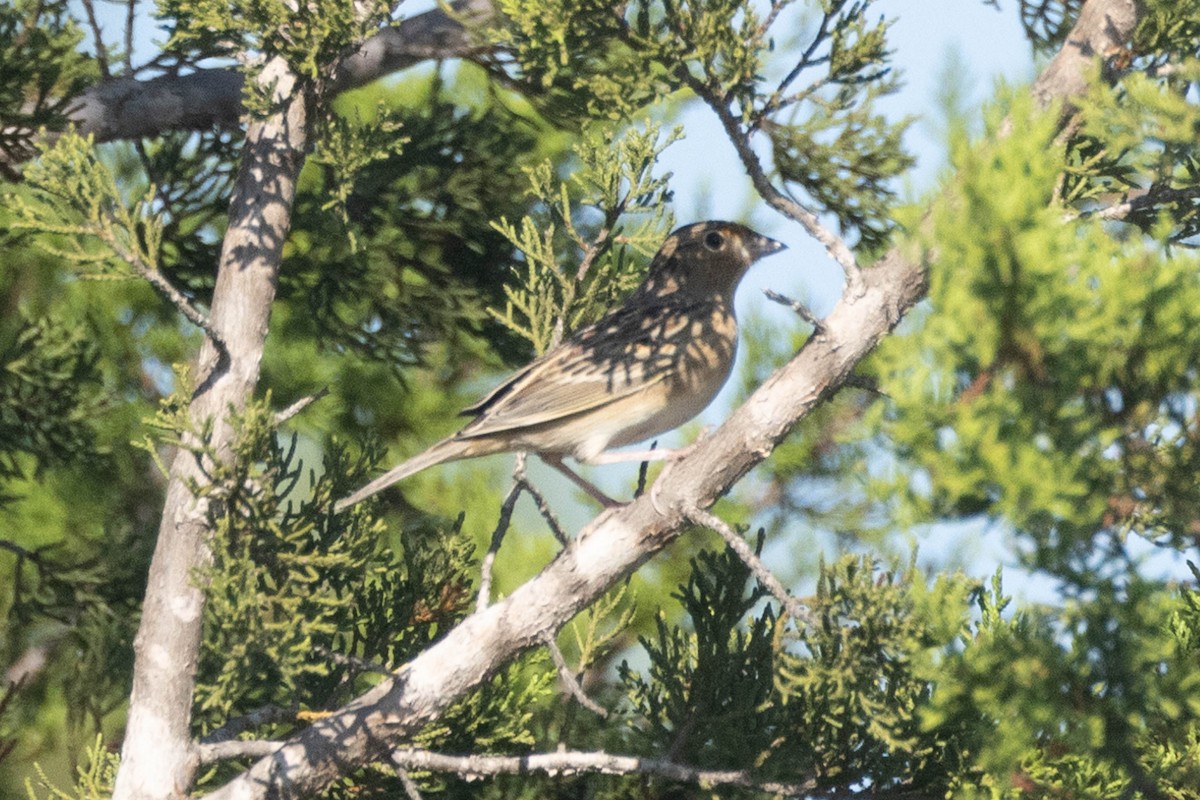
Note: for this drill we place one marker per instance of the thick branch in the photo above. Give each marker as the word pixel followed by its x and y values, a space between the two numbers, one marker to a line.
pixel 157 757
pixel 128 108
pixel 1102 30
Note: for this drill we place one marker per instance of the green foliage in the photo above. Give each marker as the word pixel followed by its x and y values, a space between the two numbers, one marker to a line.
pixel 47 375
pixel 73 201
pixel 1047 385
pixel 1136 133
pixel 42 69
pixel 1168 31
pixel 716 678
pixel 309 38
pixel 328 601
pixel 348 148
pixel 551 297
pixel 839 701
pixel 573 57
pixel 426 266
pixel 1047 23
pixel 190 176
pixel 94 782
pixel 1084 700
pixel 836 146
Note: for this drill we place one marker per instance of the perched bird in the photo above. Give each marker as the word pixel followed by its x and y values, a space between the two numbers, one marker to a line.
pixel 644 368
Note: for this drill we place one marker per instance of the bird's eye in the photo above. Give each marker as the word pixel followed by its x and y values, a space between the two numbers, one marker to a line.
pixel 713 240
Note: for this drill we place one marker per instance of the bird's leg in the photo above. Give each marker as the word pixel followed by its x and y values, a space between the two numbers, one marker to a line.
pixel 653 454
pixel 583 483
pixel 640 455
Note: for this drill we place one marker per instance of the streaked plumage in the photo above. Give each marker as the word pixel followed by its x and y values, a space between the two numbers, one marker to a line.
pixel 646 367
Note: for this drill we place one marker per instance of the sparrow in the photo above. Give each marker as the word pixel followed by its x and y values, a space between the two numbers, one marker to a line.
pixel 644 368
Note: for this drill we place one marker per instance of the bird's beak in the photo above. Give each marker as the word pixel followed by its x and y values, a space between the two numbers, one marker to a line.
pixel 763 246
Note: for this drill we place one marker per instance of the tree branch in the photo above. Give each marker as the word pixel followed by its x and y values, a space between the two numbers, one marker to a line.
pixel 794 607
pixel 576 762
pixel 570 682
pixel 604 552
pixel 835 245
pixel 158 759
pixel 1143 200
pixel 131 108
pixel 266 715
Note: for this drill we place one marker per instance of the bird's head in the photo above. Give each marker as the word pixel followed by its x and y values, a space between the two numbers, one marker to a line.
pixel 707 257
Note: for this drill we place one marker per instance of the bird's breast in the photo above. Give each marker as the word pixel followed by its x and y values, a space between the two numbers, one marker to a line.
pixel 689 367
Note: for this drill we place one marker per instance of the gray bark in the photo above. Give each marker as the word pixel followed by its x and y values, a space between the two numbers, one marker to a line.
pixel 158 757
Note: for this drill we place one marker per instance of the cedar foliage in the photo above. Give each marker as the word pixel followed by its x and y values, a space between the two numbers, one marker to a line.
pixel 465 217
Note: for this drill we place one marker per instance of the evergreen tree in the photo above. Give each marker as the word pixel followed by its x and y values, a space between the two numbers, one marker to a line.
pixel 244 274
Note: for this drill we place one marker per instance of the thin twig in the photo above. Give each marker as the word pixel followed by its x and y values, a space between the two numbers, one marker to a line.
pixel 177 299
pixel 354 662
pixel 544 509
pixel 763 575
pixel 266 715
pixel 575 762
pixel 484 598
pixel 236 748
pixel 410 786
pixel 1148 199
pixel 805 61
pixel 98 38
pixel 301 404
pixel 837 248
pixel 800 309
pixel 835 245
pixel 570 681
pixel 130 18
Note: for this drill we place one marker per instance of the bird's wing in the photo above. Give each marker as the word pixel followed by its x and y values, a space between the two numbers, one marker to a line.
pixel 625 352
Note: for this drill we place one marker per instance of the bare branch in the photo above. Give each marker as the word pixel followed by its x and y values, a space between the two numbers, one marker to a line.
pixel 801 310
pixel 505 519
pixel 795 609
pixel 158 757
pixel 544 509
pixel 89 9
pixel 266 715
pixel 410 786
pixel 130 20
pixel 614 545
pixel 1143 200
pixel 301 404
pixel 236 748
pixel 176 298
pixel 129 108
pixel 1102 29
pixel 571 682
pixel 575 762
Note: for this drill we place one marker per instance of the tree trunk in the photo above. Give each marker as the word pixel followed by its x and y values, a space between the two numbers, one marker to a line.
pixel 157 758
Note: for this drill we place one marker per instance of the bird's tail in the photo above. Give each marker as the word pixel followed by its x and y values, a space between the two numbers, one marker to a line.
pixel 443 451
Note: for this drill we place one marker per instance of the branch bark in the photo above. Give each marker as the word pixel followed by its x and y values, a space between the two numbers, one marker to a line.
pixel 158 759
pixel 130 108
pixel 574 762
